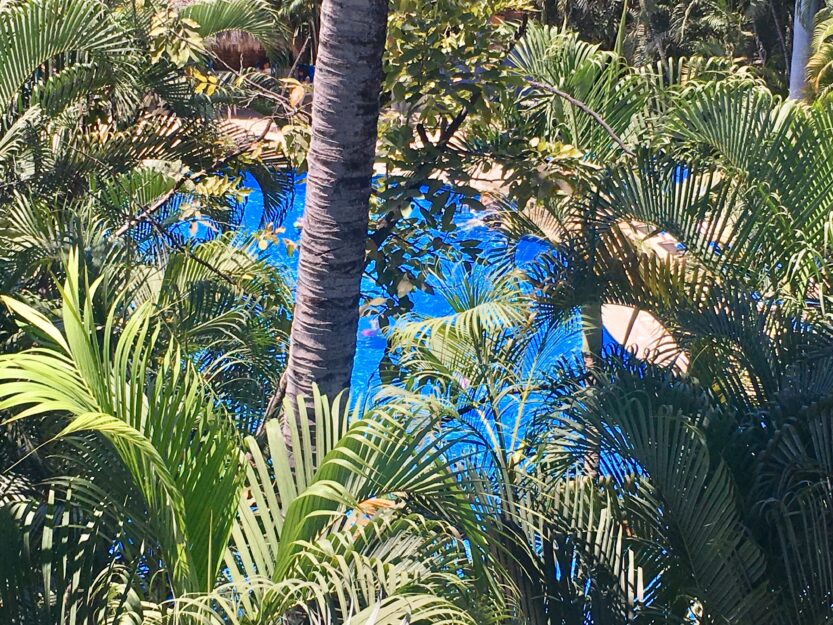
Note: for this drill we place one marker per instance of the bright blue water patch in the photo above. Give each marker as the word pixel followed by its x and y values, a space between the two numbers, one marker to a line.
pixel 371 342
pixel 681 173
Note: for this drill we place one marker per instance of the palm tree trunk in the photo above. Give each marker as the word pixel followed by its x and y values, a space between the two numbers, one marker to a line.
pixel 549 12
pixel 592 344
pixel 592 330
pixel 345 113
pixel 802 40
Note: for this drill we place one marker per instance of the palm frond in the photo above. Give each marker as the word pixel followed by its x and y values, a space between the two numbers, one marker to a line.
pixel 329 529
pixel 38 31
pixel 699 519
pixel 255 17
pixel 176 442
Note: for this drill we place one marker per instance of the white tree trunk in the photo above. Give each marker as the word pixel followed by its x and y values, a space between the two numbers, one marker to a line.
pixel 802 39
pixel 345 114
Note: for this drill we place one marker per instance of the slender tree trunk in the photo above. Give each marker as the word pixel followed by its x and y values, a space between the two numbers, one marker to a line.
pixel 802 39
pixel 592 343
pixel 779 30
pixel 592 339
pixel 549 12
pixel 345 113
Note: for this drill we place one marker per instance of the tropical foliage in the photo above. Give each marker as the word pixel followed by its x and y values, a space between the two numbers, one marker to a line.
pixel 755 33
pixel 517 465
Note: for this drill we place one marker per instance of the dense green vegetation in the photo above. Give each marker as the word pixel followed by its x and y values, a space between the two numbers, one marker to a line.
pixel 154 470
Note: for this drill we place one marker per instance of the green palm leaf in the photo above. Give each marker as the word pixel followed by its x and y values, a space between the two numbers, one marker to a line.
pixel 254 17
pixel 694 494
pixel 329 530
pixel 176 443
pixel 35 32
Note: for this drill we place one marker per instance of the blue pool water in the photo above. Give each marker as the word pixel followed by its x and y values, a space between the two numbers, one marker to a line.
pixel 370 341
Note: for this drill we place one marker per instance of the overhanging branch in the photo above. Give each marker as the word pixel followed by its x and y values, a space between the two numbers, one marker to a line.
pixel 584 107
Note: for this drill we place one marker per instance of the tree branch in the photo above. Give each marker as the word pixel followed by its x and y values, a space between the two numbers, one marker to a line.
pixel 150 210
pixel 584 107
pixel 388 223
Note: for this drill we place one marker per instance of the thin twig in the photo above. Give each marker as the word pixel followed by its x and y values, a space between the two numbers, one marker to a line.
pixel 298 58
pixel 150 210
pixel 266 94
pixel 274 402
pixel 180 247
pixel 584 107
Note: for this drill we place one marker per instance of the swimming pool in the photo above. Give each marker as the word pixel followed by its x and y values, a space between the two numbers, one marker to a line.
pixel 371 342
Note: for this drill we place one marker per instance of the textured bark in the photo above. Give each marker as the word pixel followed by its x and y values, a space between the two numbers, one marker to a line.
pixel 345 113
pixel 802 40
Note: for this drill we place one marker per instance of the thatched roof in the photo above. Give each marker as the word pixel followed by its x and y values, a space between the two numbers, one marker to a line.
pixel 234 48
pixel 238 49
